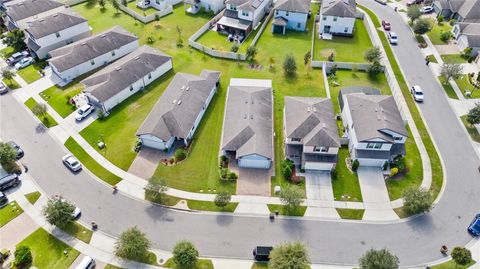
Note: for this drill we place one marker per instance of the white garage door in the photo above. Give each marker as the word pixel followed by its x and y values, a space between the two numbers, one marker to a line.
pixel 152 144
pixel 246 163
pixel 318 166
pixel 371 162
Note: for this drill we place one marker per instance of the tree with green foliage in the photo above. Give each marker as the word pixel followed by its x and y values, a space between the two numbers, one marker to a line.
pixel 307 57
pixel 40 110
pixel 289 256
pixel 373 55
pixel 291 197
pixel 116 6
pixel 7 153
pixel 378 259
pixel 132 244
pixel 222 199
pixel 473 116
pixel 102 4
pixel 416 201
pixel 251 53
pixel 290 65
pixel 185 254
pixel 287 168
pixel 445 36
pixel 451 71
pixel 461 255
pixel 157 189
pixel 413 12
pixel 355 165
pixel 7 74
pixel 374 69
pixel 422 26
pixel 125 3
pixel 15 39
pixel 23 257
pixel 58 212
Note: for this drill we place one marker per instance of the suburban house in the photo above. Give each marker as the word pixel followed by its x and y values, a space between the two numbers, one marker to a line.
pixel 91 53
pixel 311 133
pixel 242 16
pixel 248 123
pixel 18 14
pixel 113 84
pixel 291 15
pixel 178 112
pixel 374 127
pixel 194 6
pixel 55 31
pixel 337 17
pixel 468 36
pixel 459 10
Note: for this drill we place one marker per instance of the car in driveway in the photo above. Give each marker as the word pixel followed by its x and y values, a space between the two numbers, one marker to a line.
pixel 17 149
pixel 386 25
pixel 25 62
pixel 474 227
pixel 72 163
pixel 16 57
pixel 83 112
pixel 86 263
pixel 3 88
pixel 8 181
pixel 393 38
pixel 426 9
pixel 417 93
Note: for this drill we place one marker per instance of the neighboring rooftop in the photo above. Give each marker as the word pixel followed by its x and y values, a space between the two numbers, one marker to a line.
pixel 248 120
pixel 89 48
pixel 54 23
pixel 29 8
pixel 312 120
pixel 339 8
pixel 470 9
pixel 298 6
pixel 119 75
pixel 373 113
pixel 175 112
pixel 249 5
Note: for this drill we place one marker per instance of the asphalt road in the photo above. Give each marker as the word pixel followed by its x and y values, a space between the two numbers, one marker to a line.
pixel 415 242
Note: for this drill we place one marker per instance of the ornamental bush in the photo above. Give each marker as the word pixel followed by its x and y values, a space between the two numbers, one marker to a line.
pixel 23 257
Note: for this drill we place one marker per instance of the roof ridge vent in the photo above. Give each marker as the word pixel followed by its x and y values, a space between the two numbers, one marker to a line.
pixel 314 109
pixel 174 101
pixel 179 102
pixel 182 88
pixel 324 125
pixel 55 15
pixel 137 57
pixel 187 88
pixel 251 117
pixel 245 116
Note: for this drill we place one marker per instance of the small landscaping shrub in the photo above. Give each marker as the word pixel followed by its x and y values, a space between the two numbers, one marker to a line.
pixel 185 254
pixel 355 165
pixel 445 36
pixel 234 47
pixel 334 173
pixel 222 199
pixel 461 256
pixel 23 257
pixel 393 171
pixel 399 163
pixel 440 19
pixel 101 114
pixel 179 42
pixel 223 161
pixel 331 58
pixel 180 154
pixel 232 176
pixel 223 173
pixel 287 168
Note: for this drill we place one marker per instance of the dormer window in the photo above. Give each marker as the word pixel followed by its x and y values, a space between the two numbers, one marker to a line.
pixel 335 18
pixel 397 138
pixel 286 13
pixel 320 149
pixel 244 13
pixel 374 145
pixel 296 139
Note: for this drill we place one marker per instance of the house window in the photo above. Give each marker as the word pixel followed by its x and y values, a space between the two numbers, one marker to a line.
pixel 374 145
pixel 345 30
pixel 92 62
pixel 324 18
pixel 286 13
pixel 335 18
pixel 296 139
pixel 244 13
pixel 131 87
pixel 396 138
pixel 149 75
pixel 57 34
pixel 113 53
pixel 320 149
pixel 299 25
pixel 276 12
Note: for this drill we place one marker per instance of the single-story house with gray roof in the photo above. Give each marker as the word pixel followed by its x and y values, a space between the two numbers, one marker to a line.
pixel 178 112
pixel 248 123
pixel 18 14
pixel 468 36
pixel 311 133
pixel 374 127
pixel 337 17
pixel 113 84
pixel 55 31
pixel 291 15
pixel 91 53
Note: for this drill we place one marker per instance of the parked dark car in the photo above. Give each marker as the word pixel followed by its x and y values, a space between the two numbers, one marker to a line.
pixel 17 148
pixel 386 25
pixel 3 200
pixel 17 57
pixel 262 253
pixel 9 181
pixel 474 227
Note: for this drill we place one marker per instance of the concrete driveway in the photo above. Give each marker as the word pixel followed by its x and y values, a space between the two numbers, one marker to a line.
pixel 146 162
pixel 318 185
pixel 253 181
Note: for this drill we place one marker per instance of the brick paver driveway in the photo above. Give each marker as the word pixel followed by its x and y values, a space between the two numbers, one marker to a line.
pixel 146 162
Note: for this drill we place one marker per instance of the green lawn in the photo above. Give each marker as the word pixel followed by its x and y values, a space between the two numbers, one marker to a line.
pixel 9 212
pixel 48 251
pixel 350 213
pixel 167 200
pixel 218 41
pixel 472 131
pixel 90 163
pixel 436 32
pixel 58 98
pixel 448 88
pixel 465 85
pixel 298 212
pixel 400 211
pixel 7 52
pixel 109 266
pixel 432 58
pixel 259 265
pixel 12 84
pixel 210 206
pixel 30 73
pixel 47 120
pixel 142 12
pixel 453 59
pixel 346 186
pixel 33 197
pixel 79 231
pixel 345 49
pixel 452 265
pixel 150 258
pixel 201 264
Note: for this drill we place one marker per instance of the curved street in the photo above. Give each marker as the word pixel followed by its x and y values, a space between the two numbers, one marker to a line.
pixel 415 242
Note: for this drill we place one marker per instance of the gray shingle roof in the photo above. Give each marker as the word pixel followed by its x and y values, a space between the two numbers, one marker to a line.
pixel 339 8
pixel 298 6
pixel 119 75
pixel 373 113
pixel 280 21
pixel 29 8
pixel 250 5
pixel 54 23
pixel 248 120
pixel 312 120
pixel 470 9
pixel 168 118
pixel 89 48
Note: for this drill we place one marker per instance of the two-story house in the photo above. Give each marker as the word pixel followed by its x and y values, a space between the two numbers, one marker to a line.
pixel 311 133
pixel 374 127
pixel 194 6
pixel 242 16
pixel 337 17
pixel 291 15
pixel 18 14
pixel 91 53
pixel 55 31
pixel 459 10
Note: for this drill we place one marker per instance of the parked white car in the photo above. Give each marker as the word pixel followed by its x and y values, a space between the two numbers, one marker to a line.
pixel 24 63
pixel 83 112
pixel 76 213
pixel 72 163
pixel 393 38
pixel 3 88
pixel 417 93
pixel 426 9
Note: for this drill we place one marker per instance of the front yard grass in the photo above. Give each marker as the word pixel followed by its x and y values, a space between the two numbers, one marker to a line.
pixel 7 52
pixel 452 265
pixel 453 59
pixel 299 211
pixel 58 98
pixel 31 72
pixel 346 213
pixel 48 251
pixel 110 266
pixel 9 212
pixel 465 85
pixel 345 49
pixel 346 186
pixel 47 120
pixel 201 264
pixel 448 88
pixel 259 265
pixel 472 130
pixel 140 11
pixel 33 197
pixel 79 231
pixel 210 206
pixel 436 32
pixel 11 83
pixel 90 163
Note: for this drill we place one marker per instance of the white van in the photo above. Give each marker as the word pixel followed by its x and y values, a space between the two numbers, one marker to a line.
pixel 86 263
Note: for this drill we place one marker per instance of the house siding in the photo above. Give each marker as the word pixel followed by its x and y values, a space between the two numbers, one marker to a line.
pixel 152 141
pixel 294 19
pixel 342 25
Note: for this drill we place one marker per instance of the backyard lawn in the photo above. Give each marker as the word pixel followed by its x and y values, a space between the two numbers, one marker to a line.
pixel 58 98
pixel 33 197
pixel 48 251
pixel 448 88
pixel 345 49
pixel 346 186
pixel 143 12
pixel 11 83
pixel 465 85
pixel 47 120
pixel 472 130
pixel 30 73
pixel 9 212
pixel 436 32
pixel 218 41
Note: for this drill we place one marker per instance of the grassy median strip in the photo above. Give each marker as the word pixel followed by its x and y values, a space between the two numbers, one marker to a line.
pixel 33 197
pixel 299 211
pixel 90 163
pixel 452 265
pixel 437 171
pixel 9 212
pixel 47 119
pixel 79 231
pixel 448 88
pixel 346 213
pixel 471 129
pixel 11 83
pixel 168 200
pixel 201 264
